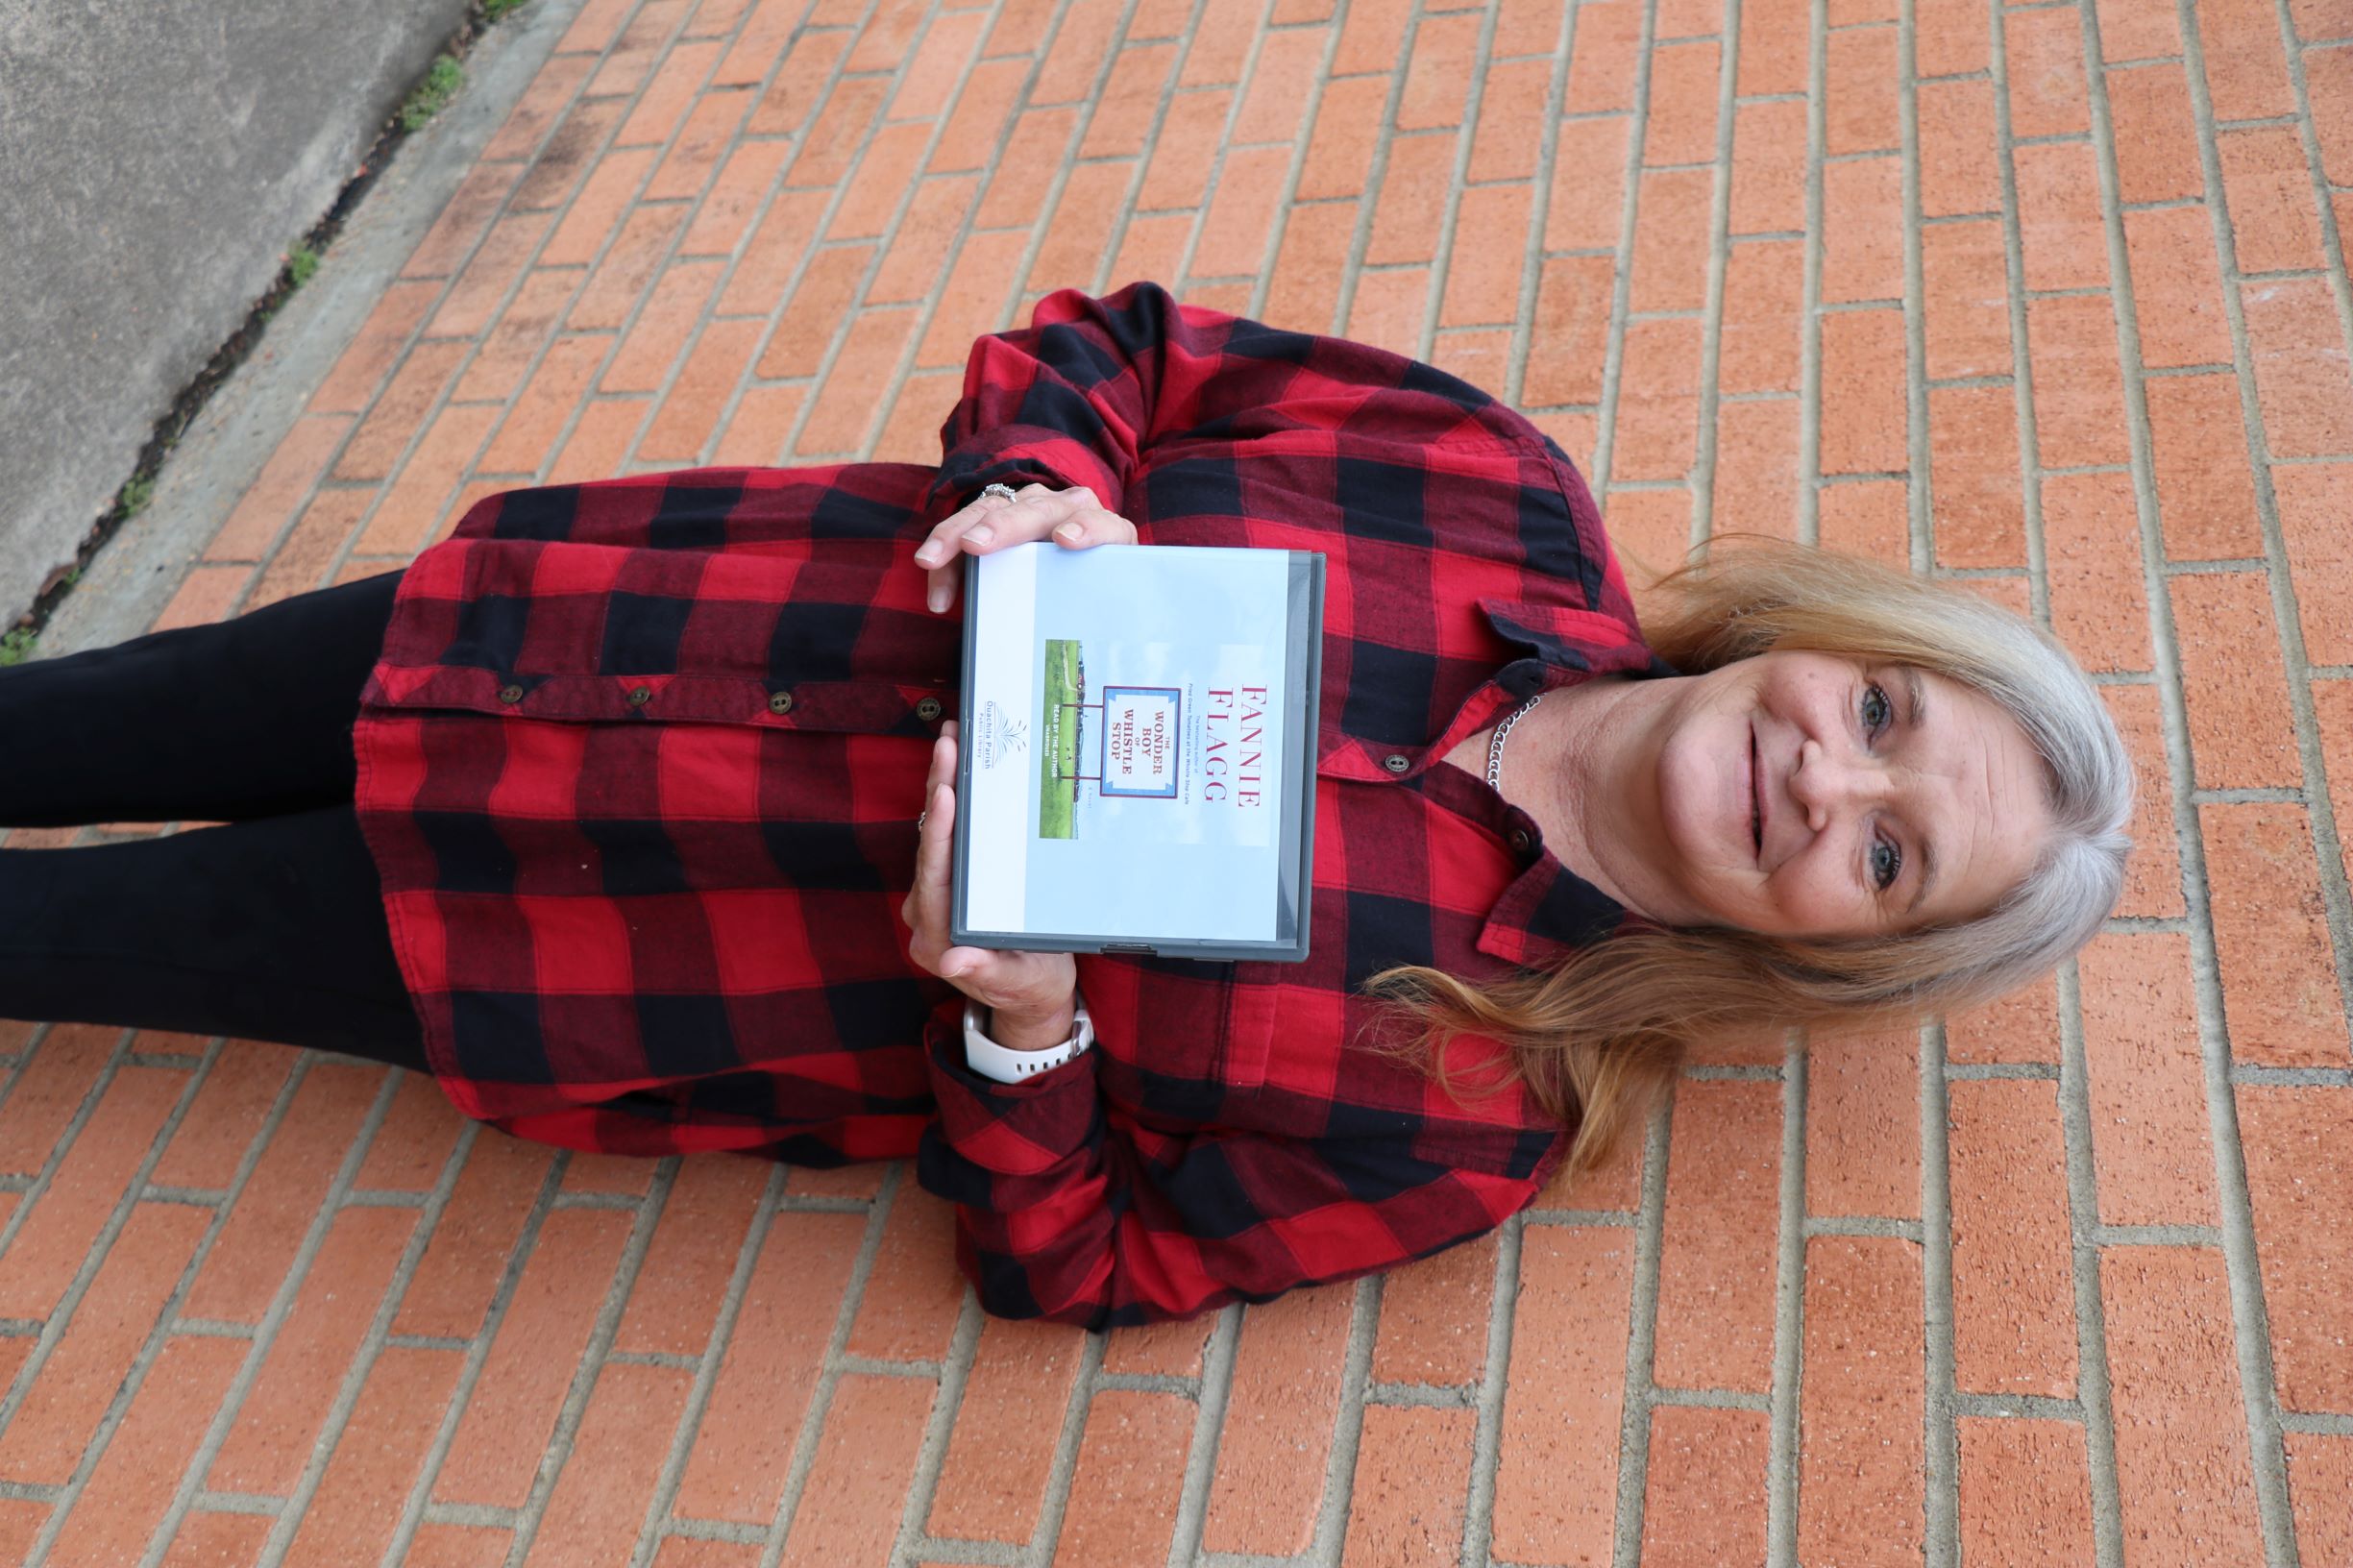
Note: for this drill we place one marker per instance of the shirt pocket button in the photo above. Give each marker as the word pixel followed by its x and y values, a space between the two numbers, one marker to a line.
pixel 510 695
pixel 640 696
pixel 1396 762
pixel 927 709
pixel 780 701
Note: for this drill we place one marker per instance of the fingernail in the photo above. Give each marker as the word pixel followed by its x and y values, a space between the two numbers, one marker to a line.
pixel 1071 531
pixel 927 554
pixel 980 533
pixel 937 598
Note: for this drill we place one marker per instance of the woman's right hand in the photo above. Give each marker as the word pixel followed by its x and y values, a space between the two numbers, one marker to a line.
pixel 1073 519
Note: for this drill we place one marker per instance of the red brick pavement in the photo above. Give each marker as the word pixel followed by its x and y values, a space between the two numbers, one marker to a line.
pixel 2049 297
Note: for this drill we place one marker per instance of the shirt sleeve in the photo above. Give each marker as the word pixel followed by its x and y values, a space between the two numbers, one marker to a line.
pixel 1061 1215
pixel 1082 394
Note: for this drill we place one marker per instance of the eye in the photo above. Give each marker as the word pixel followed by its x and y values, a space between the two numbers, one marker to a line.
pixel 1878 712
pixel 1886 864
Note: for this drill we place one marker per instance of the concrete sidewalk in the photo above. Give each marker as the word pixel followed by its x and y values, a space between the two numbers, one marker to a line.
pixel 2049 297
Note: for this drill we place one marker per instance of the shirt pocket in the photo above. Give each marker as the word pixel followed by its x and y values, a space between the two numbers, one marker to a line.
pixel 1179 1038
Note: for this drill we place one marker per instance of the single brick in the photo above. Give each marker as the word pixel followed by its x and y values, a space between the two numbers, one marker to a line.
pixel 1715 1272
pixel 229 1108
pixel 60 1411
pixel 2021 1026
pixel 375 349
pixel 1773 46
pixel 1860 1497
pixel 665 326
pixel 599 1504
pixel 2092 556
pixel 1033 157
pixel 989 97
pixel 1769 168
pixel 852 394
pixel 2205 490
pixel 2059 227
pixel 2303 376
pixel 283 1413
pixel 2177 287
pixel 2013 1281
pixel 2046 71
pixel 1412 1473
pixel 1650 529
pixel 2274 227
pixel 676 1297
pixel 1757 467
pixel 799 84
pixel 1705 1500
pixel 993 1481
pixel 1862 246
pixel 744 1443
pixel 216 1540
pixel 2182 1474
pixel 1759 344
pixel 2025 1492
pixel 1510 103
pixel 2152 872
pixel 2240 733
pixel 2300 1188
pixel 2147 1085
pixel 1242 213
pixel 2314 505
pixel 510 1415
pixel 1980 516
pixel 1587 206
pixel 1122 1501
pixel 1438 67
pixel 1414 192
pixel 1949 38
pixel 1570 335
pixel 2319 1479
pixel 2246 74
pixel 450 1290
pixel 121 1504
pixel 1280 1411
pixel 1557 1476
pixel 1870 519
pixel 1862 392
pixel 1960 166
pixel 1658 400
pixel 413 1141
pixel 1862 1125
pixel 2279 987
pixel 1682 124
pixel 1604 54
pixel 689 416
pixel 1860 112
pixel 2157 156
pixel 1482 282
pixel 1433 1317
pixel 2078 387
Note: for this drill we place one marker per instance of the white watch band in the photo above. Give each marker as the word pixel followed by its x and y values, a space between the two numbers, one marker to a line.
pixel 988 1059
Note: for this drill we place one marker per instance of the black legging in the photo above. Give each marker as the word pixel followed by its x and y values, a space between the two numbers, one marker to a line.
pixel 271 927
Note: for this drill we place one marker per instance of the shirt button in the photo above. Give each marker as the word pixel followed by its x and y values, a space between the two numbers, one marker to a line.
pixel 641 695
pixel 1520 840
pixel 780 703
pixel 510 694
pixel 1396 762
pixel 927 709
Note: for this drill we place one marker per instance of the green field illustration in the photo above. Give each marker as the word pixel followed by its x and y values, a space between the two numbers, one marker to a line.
pixel 1058 729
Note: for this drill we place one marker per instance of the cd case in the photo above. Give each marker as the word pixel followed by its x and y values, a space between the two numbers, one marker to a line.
pixel 1136 767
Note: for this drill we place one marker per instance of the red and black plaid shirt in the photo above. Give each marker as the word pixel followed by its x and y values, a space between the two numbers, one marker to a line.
pixel 641 760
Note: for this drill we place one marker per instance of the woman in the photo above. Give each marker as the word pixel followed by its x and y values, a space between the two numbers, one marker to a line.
pixel 638 839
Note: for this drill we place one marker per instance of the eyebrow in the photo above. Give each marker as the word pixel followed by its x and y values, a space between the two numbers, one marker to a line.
pixel 1916 701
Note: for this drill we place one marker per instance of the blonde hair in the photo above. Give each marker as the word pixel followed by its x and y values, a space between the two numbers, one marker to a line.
pixel 1598 1039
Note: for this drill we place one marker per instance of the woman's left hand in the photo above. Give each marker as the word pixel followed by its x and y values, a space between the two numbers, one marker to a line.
pixel 1073 519
pixel 1032 993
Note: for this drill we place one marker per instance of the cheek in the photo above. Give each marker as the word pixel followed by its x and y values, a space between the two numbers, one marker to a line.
pixel 1814 890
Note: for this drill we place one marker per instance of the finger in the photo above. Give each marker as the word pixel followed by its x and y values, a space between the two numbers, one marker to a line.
pixel 1094 526
pixel 941 546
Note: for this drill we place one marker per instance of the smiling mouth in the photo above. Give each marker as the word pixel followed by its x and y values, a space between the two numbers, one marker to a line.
pixel 1756 799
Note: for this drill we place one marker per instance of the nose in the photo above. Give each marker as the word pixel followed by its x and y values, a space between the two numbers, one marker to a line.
pixel 1827 781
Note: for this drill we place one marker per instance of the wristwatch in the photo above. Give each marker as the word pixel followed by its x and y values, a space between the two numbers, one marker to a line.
pixel 988 1059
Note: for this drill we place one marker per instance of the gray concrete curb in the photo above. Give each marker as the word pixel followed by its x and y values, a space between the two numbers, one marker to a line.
pixel 135 574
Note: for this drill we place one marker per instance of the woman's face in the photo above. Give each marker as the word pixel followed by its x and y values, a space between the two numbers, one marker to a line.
pixel 1814 795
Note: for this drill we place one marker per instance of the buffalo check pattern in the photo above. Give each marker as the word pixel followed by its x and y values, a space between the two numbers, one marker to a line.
pixel 640 763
